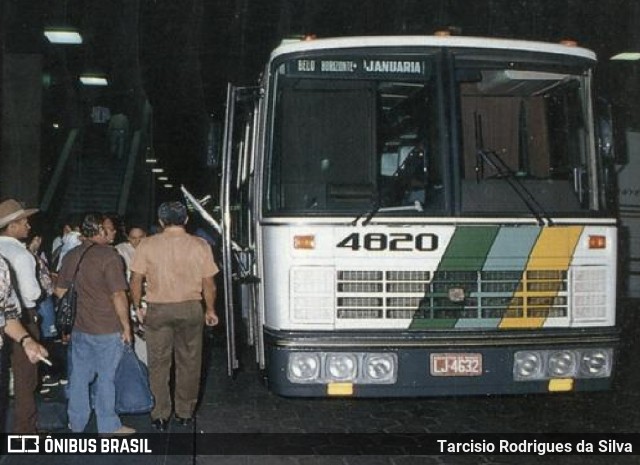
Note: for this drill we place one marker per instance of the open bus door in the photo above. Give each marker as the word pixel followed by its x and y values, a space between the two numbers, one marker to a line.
pixel 237 233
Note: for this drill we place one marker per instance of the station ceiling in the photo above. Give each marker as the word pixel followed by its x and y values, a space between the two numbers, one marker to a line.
pixel 181 53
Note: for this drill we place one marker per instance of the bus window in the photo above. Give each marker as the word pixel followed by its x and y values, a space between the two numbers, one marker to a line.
pixel 408 140
pixel 348 145
pixel 528 127
pixel 323 145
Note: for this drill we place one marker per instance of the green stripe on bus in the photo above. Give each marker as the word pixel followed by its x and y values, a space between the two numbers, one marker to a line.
pixel 467 251
pixel 468 248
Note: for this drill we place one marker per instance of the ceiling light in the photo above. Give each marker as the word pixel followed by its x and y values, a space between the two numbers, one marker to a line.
pixel 63 36
pixel 93 80
pixel 626 56
pixel 151 160
pixel 163 178
pixel 157 170
pixel 168 186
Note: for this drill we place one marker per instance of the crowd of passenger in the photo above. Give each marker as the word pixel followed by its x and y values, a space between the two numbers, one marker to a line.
pixel 153 292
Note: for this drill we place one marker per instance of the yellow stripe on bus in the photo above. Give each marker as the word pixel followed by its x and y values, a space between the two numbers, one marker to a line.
pixel 552 251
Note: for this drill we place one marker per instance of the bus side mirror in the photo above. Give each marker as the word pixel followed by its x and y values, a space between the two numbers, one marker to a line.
pixel 605 136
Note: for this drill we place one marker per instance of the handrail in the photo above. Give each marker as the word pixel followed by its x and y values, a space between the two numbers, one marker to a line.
pixel 59 169
pixel 128 175
pixel 139 137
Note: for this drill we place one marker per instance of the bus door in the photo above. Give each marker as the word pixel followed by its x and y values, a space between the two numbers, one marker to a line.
pixel 237 234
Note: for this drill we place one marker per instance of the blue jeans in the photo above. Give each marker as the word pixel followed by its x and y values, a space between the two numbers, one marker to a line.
pixel 95 358
pixel 47 313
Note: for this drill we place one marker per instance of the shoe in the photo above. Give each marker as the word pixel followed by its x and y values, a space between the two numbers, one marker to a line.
pixel 160 424
pixel 122 431
pixel 184 421
pixel 49 381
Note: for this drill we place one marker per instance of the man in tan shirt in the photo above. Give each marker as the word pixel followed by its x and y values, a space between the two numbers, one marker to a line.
pixel 179 271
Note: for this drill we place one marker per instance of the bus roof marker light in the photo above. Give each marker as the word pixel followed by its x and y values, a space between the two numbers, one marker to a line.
pixel 569 42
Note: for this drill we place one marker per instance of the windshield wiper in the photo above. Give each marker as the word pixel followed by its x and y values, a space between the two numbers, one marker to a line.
pixel 417 206
pixel 504 172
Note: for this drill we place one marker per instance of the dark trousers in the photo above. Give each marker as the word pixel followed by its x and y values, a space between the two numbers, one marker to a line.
pixel 174 330
pixel 25 380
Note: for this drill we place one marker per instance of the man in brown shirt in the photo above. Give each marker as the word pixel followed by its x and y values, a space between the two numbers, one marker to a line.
pixel 179 271
pixel 100 330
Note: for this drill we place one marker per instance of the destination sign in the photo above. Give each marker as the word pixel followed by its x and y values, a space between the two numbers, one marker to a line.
pixel 358 67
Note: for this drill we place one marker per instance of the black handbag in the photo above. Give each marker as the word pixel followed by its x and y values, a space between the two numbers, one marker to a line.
pixel 66 307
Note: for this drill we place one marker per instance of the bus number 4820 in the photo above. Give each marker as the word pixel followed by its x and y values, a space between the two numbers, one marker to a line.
pixel 402 242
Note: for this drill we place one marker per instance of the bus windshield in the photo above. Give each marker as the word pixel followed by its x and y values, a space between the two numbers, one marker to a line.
pixel 362 137
pixel 525 140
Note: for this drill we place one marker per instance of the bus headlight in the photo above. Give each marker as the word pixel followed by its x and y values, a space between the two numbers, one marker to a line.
pixel 341 367
pixel 304 367
pixel 595 363
pixel 527 365
pixel 569 363
pixel 562 364
pixel 380 368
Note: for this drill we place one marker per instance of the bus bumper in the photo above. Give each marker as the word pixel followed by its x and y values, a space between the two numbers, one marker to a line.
pixel 425 365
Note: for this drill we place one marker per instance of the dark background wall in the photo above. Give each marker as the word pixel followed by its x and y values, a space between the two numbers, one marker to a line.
pixel 181 53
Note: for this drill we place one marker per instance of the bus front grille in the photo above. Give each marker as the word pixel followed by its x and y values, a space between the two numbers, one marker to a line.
pixel 445 295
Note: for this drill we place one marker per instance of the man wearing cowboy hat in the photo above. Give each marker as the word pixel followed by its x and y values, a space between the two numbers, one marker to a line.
pixel 10 325
pixel 14 228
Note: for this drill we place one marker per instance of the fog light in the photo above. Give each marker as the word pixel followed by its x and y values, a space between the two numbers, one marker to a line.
pixel 380 368
pixel 527 365
pixel 562 364
pixel 595 363
pixel 304 367
pixel 341 367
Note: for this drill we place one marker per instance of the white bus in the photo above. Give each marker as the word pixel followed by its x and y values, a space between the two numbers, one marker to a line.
pixel 421 216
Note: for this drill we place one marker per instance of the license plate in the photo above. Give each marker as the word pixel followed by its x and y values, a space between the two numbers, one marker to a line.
pixel 463 364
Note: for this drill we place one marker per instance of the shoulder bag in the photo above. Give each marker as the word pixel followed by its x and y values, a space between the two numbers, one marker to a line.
pixel 66 307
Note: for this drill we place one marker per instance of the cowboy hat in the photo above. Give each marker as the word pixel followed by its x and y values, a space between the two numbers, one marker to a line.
pixel 11 210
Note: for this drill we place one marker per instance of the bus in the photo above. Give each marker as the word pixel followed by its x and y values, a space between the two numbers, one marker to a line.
pixel 629 209
pixel 421 216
